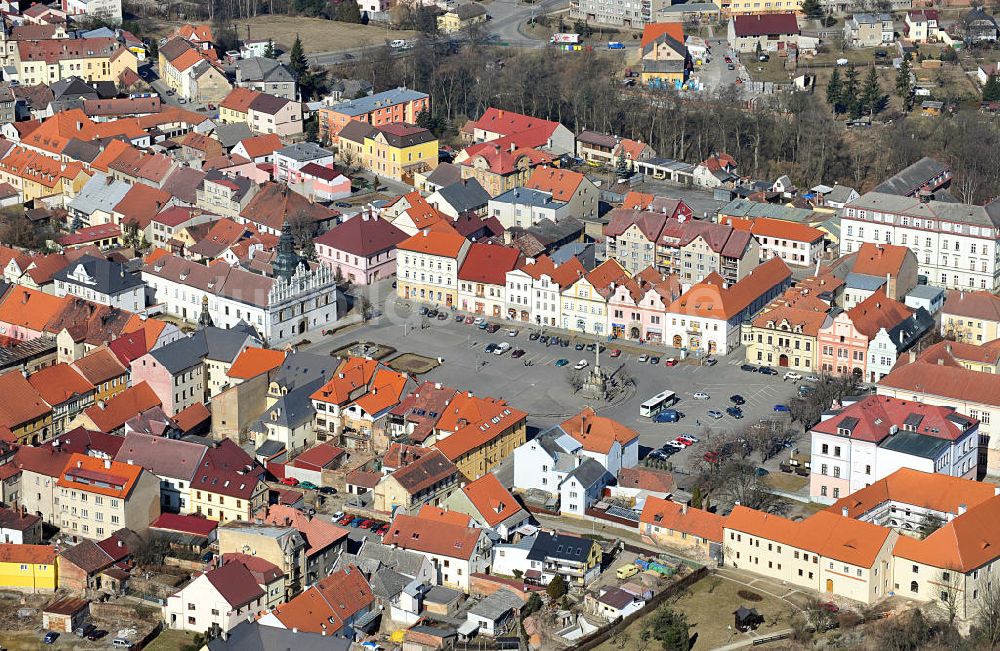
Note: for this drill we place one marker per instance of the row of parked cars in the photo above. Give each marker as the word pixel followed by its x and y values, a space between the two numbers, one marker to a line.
pixel 359 522
pixel 673 447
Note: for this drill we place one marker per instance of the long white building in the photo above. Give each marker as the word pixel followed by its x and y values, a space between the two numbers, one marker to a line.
pixel 956 244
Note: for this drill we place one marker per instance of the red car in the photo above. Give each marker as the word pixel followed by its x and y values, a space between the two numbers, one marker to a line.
pixel 290 481
pixel 384 529
pixel 728 59
pixel 615 352
pixel 671 361
pixel 365 524
pixel 346 520
pixel 469 320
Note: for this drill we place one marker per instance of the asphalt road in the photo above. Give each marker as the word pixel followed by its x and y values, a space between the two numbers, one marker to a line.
pixel 543 390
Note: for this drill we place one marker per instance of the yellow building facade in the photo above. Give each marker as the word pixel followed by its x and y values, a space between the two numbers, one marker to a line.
pixel 28 568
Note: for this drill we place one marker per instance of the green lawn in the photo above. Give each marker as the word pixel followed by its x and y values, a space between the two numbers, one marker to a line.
pixel 170 640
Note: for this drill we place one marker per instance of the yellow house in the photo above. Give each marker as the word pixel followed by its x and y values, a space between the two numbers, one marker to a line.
pixel 92 59
pixel 786 332
pixel 664 58
pixel 462 17
pixel 397 151
pixel 742 7
pixel 584 304
pixel 487 432
pixel 227 496
pixel 971 317
pixel 28 417
pixel 28 568
pixel 37 176
pixel 673 524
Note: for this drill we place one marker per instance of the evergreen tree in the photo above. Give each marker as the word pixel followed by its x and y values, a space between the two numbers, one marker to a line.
pixel 349 12
pixel 849 95
pixel 297 61
pixel 696 498
pixel 556 587
pixel 312 130
pixel 834 90
pixel 871 100
pixel 670 629
pixel 269 52
pixel 991 91
pixel 904 84
pixel 621 166
pixel 812 9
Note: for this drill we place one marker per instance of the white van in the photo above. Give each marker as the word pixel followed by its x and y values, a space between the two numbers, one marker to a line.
pixel 121 643
pixel 397 43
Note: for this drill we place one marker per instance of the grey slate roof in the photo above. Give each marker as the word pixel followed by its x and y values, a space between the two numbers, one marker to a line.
pixel 251 636
pixel 988 215
pixel 445 174
pixel 496 605
pixel 560 546
pixel 105 276
pixel 529 197
pixel 906 333
pixel 403 561
pixel 386 583
pixel 162 456
pixel 912 178
pixel 839 194
pixel 212 343
pixel 230 135
pixel 304 152
pixel 370 103
pixel 465 195
pixel 589 473
pixel 864 281
pixel 262 69
pixel 301 368
pixel 101 192
pixel 919 445
pixel 293 408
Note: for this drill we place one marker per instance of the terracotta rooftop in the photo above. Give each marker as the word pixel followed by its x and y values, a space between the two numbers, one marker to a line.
pixel 683 519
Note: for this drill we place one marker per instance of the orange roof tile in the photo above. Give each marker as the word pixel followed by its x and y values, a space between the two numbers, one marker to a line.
pixel 31 554
pixel 827 534
pixel 326 606
pixel 678 517
pixel 352 375
pixel 239 99
pixel 29 308
pixel 778 228
pixel 491 499
pixel 929 490
pixel 102 476
pixel 253 361
pixel 968 542
pixel 385 391
pixel 876 312
pixel 880 259
pixel 598 433
pixel 59 383
pixel 653 31
pixel 437 514
pixel 434 242
pixel 710 299
pixel 21 401
pixel 130 402
pixel 432 537
pixel 262 145
pixel 562 184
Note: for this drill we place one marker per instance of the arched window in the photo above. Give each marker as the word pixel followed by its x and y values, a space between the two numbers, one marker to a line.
pixel 914 587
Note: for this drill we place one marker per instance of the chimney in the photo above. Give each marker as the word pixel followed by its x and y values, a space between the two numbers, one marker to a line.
pixel 843 511
pixel 962 508
pixel 913 356
pixel 107 464
pixel 940 362
pixel 684 508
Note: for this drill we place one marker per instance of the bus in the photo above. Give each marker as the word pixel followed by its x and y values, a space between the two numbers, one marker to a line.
pixel 657 403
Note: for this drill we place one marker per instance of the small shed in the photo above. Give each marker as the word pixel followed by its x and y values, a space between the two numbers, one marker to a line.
pixel 66 614
pixel 747 619
pixel 931 108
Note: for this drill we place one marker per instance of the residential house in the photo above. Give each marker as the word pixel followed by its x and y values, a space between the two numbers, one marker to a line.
pixel 584 302
pixel 545 555
pixel 709 315
pixel 603 439
pixel 258 149
pixel 47 61
pixel 869 30
pixel 980 26
pixel 361 249
pixel 173 462
pixel 461 16
pixel 668 523
pixel 637 307
pixel 19 527
pixel 576 190
pixel 606 149
pixel 631 235
pixel 278 115
pixel 31 569
pixel 397 151
pixel 921 26
pixel 25 417
pixel 99 496
pixel 333 607
pixel 476 433
pixel 534 289
pixel 768 31
pixel 693 250
pixel 972 317
pixel 289 161
pixel 888 267
pixel 101 281
pixel 504 164
pixel 110 416
pixel 388 107
pixel 281 545
pixel 868 440
pixel 664 59
pixel 786 332
pixel 797 244
pixel 191 72
pixel 482 278
pixel 235 107
pixel 427 478
pixel 221 597
pixel 523 207
pixel 324 540
pixel 496 124
pixel 427 265
pixel 224 195
pixel 460 198
pixel 457 551
pixel 266 76
pixel 63 388
pixel 228 485
pixel 490 505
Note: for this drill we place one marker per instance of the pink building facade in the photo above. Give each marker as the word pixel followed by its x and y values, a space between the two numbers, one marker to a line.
pixel 361 249
pixel 842 348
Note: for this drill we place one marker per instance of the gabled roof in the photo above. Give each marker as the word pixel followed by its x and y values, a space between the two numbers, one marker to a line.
pixel 432 537
pixel 982 305
pixel 926 490
pixel 877 312
pixel 329 604
pixel 493 502
pixel 778 228
pixel 102 476
pixel 653 31
pixel 967 543
pixel 363 236
pixel 123 406
pixel 488 263
pixel 253 361
pixel 765 25
pixel 444 242
pixel 426 471
pixel 709 299
pixel 163 457
pixel 598 433
pixel 508 122
pixel 59 383
pixel 562 184
pixel 235 583
pixel 560 546
pixel 679 517
pixel 22 403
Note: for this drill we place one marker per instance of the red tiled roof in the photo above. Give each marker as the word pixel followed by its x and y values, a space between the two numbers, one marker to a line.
pixel 766 24
pixel 253 361
pixel 488 264
pixel 59 383
pixel 21 402
pixel 432 537
pixel 125 405
pixel 491 499
pixel 598 433
pixel 875 418
pixel 678 517
pixel 191 524
pixel 235 583
pixel 103 476
pixel 562 184
pixel 363 236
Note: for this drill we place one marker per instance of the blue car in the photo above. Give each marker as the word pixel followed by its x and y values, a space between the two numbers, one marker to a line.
pixel 50 637
pixel 562 362
pixel 355 522
pixel 667 416
pixel 781 408
pixel 735 412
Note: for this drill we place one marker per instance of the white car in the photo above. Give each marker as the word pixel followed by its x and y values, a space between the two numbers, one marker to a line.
pixel 701 395
pixel 582 364
pixel 812 378
pixel 675 444
pixel 792 375
pixel 643 358
pixel 479 320
pixel 501 348
pixel 398 43
pixel 512 332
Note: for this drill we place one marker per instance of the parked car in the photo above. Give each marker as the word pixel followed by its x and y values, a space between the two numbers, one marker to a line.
pixel 356 522
pixel 534 336
pixel 781 408
pixel 714 413
pixel 327 490
pixel 675 444
pixel 701 395
pixel 562 362
pixel 84 630
pixel 442 316
pixel 767 370
pixel 501 348
pixel 710 361
pixel 748 368
pixel 667 416
pixel 582 364
pixel 735 412
pixel 737 400
pixel 382 530
pixel 492 328
pixel 432 314
pixel 97 635
pixel 517 352
pixel 626 571
pixel 336 516
pixel 424 310
pixel 50 637
pixel 512 332
pixel 792 375
pixel 806 390
pixel 811 378
pixel 366 524
pixel 479 320
pixel 689 437
pixel 684 443
pixel 308 485
pixel 591 347
pixel 543 339
pixel 643 358
pixel 654 360
pixel 671 361
pixel 290 481
pixel 616 352
pixel 345 520
pixel 578 346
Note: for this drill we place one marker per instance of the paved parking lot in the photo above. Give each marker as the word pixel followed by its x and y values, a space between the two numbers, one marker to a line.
pixel 542 389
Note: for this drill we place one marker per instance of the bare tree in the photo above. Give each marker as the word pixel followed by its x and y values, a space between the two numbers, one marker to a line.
pixel 986 622
pixel 739 482
pixel 576 379
pixel 950 594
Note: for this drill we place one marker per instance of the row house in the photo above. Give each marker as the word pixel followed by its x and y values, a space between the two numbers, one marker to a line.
pixel 573 188
pixel 534 289
pixel 584 303
pixel 424 477
pixel 427 265
pixel 501 166
pixel 972 317
pixel 397 151
pixel 637 308
pixel 388 107
pixel 631 234
pixel 797 244
pixel 361 250
pixel 477 434
pixel 786 332
pixel 864 442
pixel 955 244
pixel 496 124
pixel 605 149
pixel 482 278
pixel 457 551
pixel 889 267
pixel 708 316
